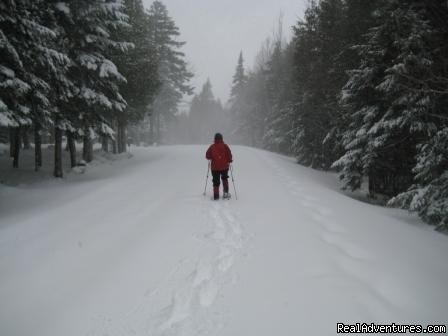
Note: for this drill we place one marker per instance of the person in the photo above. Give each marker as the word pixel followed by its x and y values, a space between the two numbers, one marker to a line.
pixel 220 156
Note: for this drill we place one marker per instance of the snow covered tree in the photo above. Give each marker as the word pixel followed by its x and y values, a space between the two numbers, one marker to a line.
pixel 12 69
pixel 236 100
pixel 61 91
pixel 250 103
pixel 172 68
pixel 86 27
pixel 279 130
pixel 206 116
pixel 429 195
pixel 29 63
pixel 318 42
pixel 254 108
pixel 388 101
pixel 139 66
pixel 260 100
pixel 63 66
pixel 239 78
pixel 369 86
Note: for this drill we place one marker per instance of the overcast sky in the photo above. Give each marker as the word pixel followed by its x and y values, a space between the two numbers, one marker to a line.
pixel 216 31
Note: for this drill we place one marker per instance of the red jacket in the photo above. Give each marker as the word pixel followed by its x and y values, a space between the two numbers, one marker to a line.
pixel 220 155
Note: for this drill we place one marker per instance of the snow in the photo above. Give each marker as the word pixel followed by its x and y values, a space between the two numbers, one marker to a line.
pixel 102 32
pixel 106 129
pixel 23 109
pixel 91 38
pixel 94 97
pixel 38 28
pixel 17 84
pixel 63 7
pixel 7 72
pixel 59 57
pixel 6 118
pixel 89 61
pixel 131 247
pixel 387 84
pixel 3 106
pixel 108 70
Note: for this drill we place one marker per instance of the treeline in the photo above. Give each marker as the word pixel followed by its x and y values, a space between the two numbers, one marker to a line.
pixel 197 125
pixel 361 88
pixel 86 69
pixel 206 116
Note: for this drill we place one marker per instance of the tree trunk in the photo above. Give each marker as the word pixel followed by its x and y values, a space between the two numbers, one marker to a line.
pixel 114 147
pixel 118 139
pixel 372 186
pixel 26 139
pixel 124 135
pixel 16 147
pixel 72 148
pixel 87 150
pixel 115 139
pixel 121 136
pixel 57 152
pixel 158 137
pixel 12 141
pixel 51 140
pixel 105 143
pixel 37 148
pixel 151 128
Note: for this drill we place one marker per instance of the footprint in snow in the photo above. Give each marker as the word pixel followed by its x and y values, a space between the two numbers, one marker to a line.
pixel 346 247
pixel 208 294
pixel 203 273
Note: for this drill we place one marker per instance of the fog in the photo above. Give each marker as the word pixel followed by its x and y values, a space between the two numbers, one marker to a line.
pixel 216 31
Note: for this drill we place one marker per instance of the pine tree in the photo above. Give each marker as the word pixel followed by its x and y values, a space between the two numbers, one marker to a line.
pixel 13 72
pixel 172 68
pixel 248 104
pixel 87 27
pixel 236 100
pixel 29 63
pixel 278 136
pixel 62 87
pixel 239 78
pixel 389 109
pixel 206 115
pixel 429 195
pixel 319 41
pixel 139 66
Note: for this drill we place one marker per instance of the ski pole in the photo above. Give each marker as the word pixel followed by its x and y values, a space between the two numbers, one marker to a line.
pixel 206 179
pixel 233 181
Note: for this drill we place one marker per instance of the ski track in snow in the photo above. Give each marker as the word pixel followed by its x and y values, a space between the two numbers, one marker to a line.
pixel 190 311
pixel 192 287
pixel 350 259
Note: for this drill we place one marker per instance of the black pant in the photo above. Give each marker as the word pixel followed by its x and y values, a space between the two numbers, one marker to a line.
pixel 224 175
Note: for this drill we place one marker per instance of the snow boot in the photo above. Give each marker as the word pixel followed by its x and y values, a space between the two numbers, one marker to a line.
pixel 216 193
pixel 226 195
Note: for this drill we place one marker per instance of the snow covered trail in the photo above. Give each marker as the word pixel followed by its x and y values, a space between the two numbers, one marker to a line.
pixel 133 248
